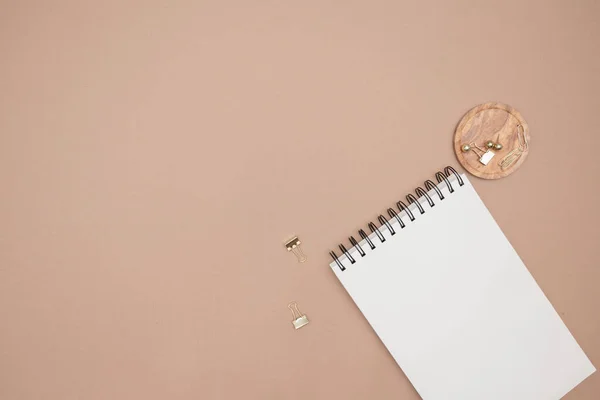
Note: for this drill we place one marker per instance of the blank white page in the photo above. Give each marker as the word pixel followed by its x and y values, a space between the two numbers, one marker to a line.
pixel 459 311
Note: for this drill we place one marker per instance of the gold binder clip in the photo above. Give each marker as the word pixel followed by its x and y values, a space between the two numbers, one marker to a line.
pixel 299 319
pixel 487 157
pixel 293 245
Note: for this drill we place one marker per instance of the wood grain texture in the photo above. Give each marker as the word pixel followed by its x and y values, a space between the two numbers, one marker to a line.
pixel 490 121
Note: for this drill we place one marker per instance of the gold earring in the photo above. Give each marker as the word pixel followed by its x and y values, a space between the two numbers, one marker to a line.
pixel 491 145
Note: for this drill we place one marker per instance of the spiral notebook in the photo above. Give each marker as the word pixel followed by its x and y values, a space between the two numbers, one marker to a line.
pixel 454 304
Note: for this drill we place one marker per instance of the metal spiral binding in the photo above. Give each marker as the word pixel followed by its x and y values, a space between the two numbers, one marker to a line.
pixel 383 221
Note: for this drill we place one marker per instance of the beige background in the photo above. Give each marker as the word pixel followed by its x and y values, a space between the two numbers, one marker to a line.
pixel 155 155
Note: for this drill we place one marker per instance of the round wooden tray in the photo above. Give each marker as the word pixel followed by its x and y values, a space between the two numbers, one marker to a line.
pixel 490 121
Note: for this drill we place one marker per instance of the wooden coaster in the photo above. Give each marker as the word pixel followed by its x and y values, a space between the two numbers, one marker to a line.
pixel 490 121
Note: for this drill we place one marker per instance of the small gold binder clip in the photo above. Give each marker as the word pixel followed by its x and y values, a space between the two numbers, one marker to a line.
pixel 293 245
pixel 299 319
pixel 487 157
